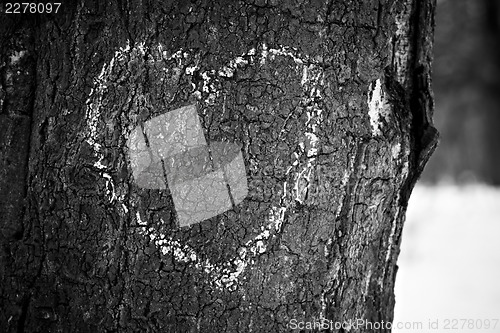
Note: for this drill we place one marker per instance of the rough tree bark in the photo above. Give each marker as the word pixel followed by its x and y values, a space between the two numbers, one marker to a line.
pixel 330 101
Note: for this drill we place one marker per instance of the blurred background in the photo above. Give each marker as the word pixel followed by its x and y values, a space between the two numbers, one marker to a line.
pixel 450 253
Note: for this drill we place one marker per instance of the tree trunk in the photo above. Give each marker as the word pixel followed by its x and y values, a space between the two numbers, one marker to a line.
pixel 328 104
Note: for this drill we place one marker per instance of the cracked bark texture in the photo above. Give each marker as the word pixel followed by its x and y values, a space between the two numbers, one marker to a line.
pixel 331 102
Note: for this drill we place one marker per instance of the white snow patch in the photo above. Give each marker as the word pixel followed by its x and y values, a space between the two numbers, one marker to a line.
pixel 448 266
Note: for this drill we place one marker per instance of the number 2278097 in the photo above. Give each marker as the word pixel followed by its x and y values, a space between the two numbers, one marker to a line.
pixel 31 7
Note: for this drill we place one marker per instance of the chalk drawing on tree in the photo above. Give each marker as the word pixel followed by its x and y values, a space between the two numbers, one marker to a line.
pixel 152 163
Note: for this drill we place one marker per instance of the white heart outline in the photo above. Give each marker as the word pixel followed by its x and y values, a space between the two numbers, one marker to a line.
pixel 224 276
